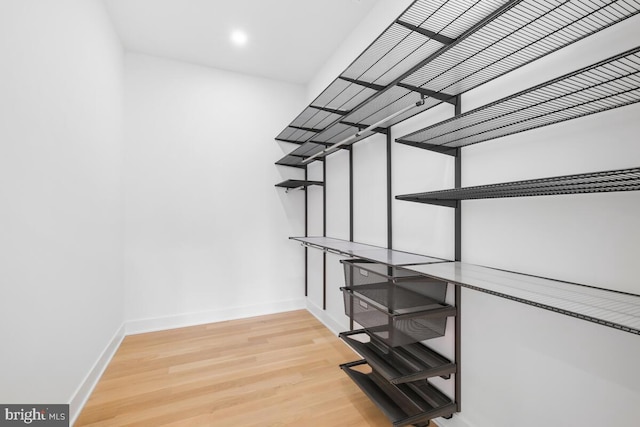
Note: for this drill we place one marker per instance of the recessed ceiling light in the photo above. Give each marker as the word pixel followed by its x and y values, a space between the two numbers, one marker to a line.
pixel 239 37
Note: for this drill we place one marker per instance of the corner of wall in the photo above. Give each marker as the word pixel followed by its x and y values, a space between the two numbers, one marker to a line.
pixel 84 390
pixel 324 318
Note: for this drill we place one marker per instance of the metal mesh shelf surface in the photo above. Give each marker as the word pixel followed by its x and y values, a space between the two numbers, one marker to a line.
pixel 290 160
pixel 608 84
pixel 297 183
pixel 394 315
pixel 369 252
pixel 597 182
pixel 440 49
pixel 606 307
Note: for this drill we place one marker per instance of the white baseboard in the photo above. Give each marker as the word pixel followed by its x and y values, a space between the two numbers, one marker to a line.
pixel 140 326
pixel 83 392
pixel 324 318
pixel 456 421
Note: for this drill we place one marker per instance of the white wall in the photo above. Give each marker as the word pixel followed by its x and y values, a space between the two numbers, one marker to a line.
pixel 206 230
pixel 337 187
pixel 61 215
pixel 376 21
pixel 522 366
pixel 370 191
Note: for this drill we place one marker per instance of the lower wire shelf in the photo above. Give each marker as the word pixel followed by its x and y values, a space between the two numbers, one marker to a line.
pixel 399 365
pixel 412 403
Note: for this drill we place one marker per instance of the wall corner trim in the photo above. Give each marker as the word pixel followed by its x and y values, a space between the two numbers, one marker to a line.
pixel 84 390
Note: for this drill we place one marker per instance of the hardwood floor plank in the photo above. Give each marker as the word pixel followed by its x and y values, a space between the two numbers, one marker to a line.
pixel 276 370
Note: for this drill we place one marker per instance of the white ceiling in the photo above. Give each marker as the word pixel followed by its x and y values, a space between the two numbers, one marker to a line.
pixel 289 40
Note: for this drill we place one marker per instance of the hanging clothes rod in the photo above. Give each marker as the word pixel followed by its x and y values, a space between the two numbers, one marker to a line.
pixel 360 132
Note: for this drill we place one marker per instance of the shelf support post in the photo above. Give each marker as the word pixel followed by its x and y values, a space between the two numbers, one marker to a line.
pixel 458 257
pixel 324 234
pixel 389 191
pixel 351 220
pixel 458 184
pixel 306 234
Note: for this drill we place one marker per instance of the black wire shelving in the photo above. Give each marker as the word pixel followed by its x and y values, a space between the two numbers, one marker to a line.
pixel 439 50
pixel 614 309
pixel 612 83
pixel 596 182
pixel 298 183
pixel 389 257
pixel 434 52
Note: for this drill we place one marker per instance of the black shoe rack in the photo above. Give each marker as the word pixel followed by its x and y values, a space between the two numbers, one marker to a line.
pixel 398 365
pixel 397 310
pixel 413 403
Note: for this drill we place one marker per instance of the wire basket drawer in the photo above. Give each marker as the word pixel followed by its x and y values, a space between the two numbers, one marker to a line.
pixel 395 315
pixel 359 272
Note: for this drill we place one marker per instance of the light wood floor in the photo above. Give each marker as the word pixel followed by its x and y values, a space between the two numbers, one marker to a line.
pixel 277 370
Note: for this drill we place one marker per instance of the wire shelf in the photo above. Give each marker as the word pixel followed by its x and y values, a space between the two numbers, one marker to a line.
pixel 596 182
pixel 368 252
pixel 297 183
pixel 291 161
pixel 609 84
pixel 441 49
pixel 307 149
pixel 618 310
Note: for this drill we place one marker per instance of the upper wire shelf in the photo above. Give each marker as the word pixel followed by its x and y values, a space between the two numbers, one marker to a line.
pixel 596 182
pixel 441 49
pixel 612 83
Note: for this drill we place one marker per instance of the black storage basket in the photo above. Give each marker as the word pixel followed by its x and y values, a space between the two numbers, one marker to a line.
pixel 395 315
pixel 359 272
